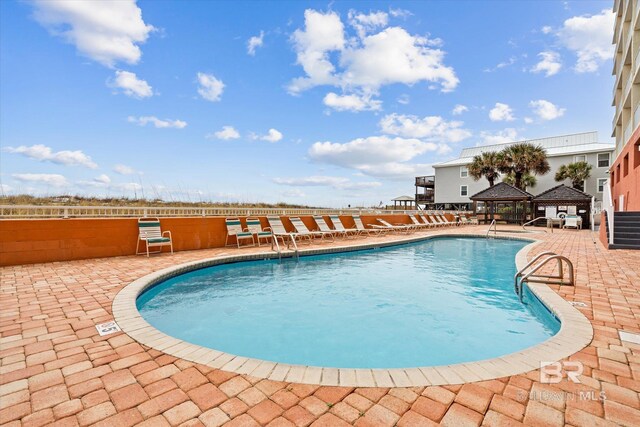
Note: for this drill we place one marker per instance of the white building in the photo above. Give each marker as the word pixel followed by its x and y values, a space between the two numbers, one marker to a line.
pixel 454 186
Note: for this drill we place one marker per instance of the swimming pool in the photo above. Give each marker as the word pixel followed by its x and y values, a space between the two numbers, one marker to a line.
pixel 437 302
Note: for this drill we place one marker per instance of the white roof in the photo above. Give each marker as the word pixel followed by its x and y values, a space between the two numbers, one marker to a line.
pixel 563 145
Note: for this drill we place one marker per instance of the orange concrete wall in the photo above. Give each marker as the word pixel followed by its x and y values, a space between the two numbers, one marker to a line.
pixel 31 241
pixel 602 232
pixel 628 185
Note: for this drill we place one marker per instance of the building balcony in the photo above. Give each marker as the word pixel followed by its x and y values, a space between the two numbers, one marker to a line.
pixel 425 181
pixel 425 198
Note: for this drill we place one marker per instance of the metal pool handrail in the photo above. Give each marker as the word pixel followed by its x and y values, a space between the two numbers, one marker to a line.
pixel 495 228
pixel 558 279
pixel 534 220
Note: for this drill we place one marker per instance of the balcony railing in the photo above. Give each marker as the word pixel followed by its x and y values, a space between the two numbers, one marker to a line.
pixel 627 88
pixel 429 198
pixel 627 131
pixel 424 181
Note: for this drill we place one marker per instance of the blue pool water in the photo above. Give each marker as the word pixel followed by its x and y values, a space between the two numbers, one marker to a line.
pixel 437 302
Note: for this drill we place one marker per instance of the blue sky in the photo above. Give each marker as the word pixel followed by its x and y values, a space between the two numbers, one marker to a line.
pixel 325 104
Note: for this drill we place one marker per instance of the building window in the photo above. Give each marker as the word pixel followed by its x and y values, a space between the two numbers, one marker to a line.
pixel 618 173
pixel 464 191
pixel 601 183
pixel 580 158
pixel 464 172
pixel 603 160
pixel 625 165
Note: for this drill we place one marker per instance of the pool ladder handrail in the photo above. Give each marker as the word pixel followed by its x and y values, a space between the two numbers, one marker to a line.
pixel 524 226
pixel 495 228
pixel 274 240
pixel 523 275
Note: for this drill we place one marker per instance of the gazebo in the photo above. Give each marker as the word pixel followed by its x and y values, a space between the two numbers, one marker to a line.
pixel 404 202
pixel 562 199
pixel 502 202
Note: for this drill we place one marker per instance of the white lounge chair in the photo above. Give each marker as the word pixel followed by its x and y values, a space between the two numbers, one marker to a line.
pixel 405 228
pixel 436 221
pixel 150 233
pixel 362 229
pixel 444 219
pixel 324 227
pixel 303 230
pixel 339 226
pixel 571 221
pixel 428 221
pixel 234 229
pixel 418 224
pixel 255 227
pixel 276 227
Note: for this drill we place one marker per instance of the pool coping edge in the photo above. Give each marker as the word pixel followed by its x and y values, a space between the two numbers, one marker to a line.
pixel 575 333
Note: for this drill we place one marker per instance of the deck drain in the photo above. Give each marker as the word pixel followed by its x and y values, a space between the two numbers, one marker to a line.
pixel 629 337
pixel 577 304
pixel 107 328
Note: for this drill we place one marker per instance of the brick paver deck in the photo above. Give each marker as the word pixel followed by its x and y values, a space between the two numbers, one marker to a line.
pixel 55 368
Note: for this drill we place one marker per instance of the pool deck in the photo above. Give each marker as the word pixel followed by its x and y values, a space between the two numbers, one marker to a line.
pixel 54 367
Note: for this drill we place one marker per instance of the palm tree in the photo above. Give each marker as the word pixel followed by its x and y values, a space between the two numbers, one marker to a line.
pixel 486 165
pixel 528 180
pixel 577 172
pixel 521 159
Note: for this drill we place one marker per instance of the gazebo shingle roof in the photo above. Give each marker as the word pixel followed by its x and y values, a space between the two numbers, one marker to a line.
pixel 403 199
pixel 501 191
pixel 562 193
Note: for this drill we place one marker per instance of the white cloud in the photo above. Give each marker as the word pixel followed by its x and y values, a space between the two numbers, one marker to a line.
pixel 512 60
pixel 99 181
pixel 404 99
pixel 395 56
pixel 294 192
pixel 43 153
pixel 226 133
pixel 210 88
pixel 500 137
pixel 4 188
pixel 590 38
pixel 378 156
pixel 326 181
pixel 53 179
pixel 104 179
pixel 397 171
pixel 459 109
pixel 546 110
pixel 351 102
pixel 501 112
pixel 129 186
pixel 364 24
pixel 131 85
pixel 549 63
pixel 432 127
pixel 105 31
pixel 367 61
pixel 124 170
pixel 254 43
pixel 546 29
pixel 323 33
pixel 400 13
pixel 272 136
pixel 528 120
pixel 161 124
